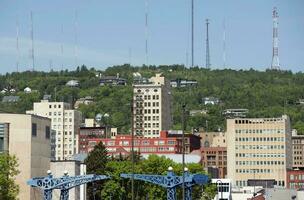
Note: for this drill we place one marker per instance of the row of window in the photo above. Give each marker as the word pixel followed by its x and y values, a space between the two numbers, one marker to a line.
pixel 60 126
pixel 259 139
pixel 59 113
pixel 253 171
pixel 296 185
pixel 246 163
pixel 296 177
pixel 262 131
pixel 259 155
pixel 147 90
pixel 47 131
pixel 259 146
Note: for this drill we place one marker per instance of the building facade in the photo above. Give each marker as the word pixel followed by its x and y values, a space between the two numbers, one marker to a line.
pixel 151 106
pixel 85 133
pixel 121 144
pixel 213 139
pixel 215 157
pixel 258 148
pixel 65 123
pixel 295 179
pixel 297 150
pixel 28 138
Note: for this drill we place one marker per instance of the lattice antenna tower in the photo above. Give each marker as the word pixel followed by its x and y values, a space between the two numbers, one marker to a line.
pixel 17 45
pixel 32 38
pixel 275 64
pixel 76 38
pixel 224 44
pixel 146 31
pixel 207 45
pixel 61 46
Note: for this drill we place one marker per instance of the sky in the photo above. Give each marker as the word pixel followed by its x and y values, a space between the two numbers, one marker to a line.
pixel 102 33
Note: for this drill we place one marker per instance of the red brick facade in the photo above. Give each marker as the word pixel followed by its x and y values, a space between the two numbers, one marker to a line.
pixel 215 157
pixel 295 179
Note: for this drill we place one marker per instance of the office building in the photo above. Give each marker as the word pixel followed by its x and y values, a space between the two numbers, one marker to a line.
pixel 65 123
pixel 28 138
pixel 295 179
pixel 215 157
pixel 151 106
pixel 258 148
pixel 297 150
pixel 86 133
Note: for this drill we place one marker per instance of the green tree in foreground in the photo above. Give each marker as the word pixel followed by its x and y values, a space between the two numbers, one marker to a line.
pixel 96 164
pixel 118 188
pixel 8 170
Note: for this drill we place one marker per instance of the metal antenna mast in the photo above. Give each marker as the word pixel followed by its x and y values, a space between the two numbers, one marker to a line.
pixel 207 45
pixel 146 30
pixel 76 38
pixel 192 33
pixel 224 44
pixel 32 38
pixel 275 65
pixel 61 46
pixel 17 45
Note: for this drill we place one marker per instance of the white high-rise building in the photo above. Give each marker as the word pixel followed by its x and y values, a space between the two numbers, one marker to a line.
pixel 65 124
pixel 151 106
pixel 258 150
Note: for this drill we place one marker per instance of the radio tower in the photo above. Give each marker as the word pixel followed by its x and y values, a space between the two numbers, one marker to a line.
pixel 146 31
pixel 275 65
pixel 17 45
pixel 207 46
pixel 32 38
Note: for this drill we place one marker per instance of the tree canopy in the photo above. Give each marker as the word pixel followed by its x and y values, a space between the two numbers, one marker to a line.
pixel 265 93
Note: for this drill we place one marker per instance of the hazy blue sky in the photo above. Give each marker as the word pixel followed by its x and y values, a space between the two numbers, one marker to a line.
pixel 108 30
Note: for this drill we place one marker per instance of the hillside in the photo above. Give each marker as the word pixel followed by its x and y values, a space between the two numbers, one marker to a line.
pixel 265 94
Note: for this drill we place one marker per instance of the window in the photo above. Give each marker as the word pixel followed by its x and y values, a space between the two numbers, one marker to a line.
pixel 47 132
pixel 50 106
pixel 34 129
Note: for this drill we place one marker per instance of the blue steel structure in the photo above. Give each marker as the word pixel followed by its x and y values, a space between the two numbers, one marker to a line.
pixel 47 184
pixel 171 182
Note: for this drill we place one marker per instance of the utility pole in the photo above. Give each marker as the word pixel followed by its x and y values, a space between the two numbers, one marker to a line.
pixel 183 147
pixel 192 33
pixel 132 148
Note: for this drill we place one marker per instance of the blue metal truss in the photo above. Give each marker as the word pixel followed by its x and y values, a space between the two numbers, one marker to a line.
pixel 47 184
pixel 171 182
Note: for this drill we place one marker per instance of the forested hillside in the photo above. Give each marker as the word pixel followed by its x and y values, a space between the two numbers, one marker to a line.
pixel 265 94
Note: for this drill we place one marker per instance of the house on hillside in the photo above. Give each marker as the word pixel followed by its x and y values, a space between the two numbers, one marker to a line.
pixel 10 99
pixel 84 100
pixel 235 113
pixel 72 83
pixel 27 90
pixel 112 80
pixel 210 101
pixel 177 83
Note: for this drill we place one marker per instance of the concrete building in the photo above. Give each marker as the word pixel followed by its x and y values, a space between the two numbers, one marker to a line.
pixel 215 157
pixel 223 189
pixel 74 168
pixel 65 123
pixel 28 138
pixel 258 148
pixel 297 150
pixel 151 106
pixel 213 139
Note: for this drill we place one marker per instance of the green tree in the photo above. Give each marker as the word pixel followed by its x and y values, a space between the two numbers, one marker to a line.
pixel 96 164
pixel 8 171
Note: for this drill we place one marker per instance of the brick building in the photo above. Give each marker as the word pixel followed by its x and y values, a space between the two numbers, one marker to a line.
pixel 297 150
pixel 121 144
pixel 215 157
pixel 295 179
pixel 86 133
